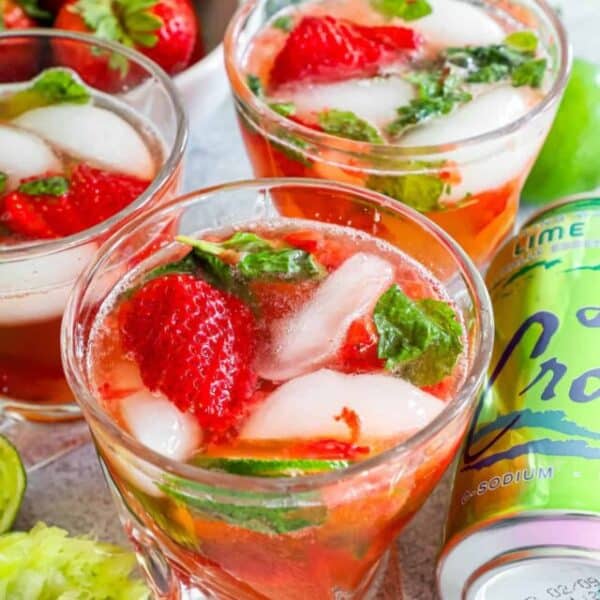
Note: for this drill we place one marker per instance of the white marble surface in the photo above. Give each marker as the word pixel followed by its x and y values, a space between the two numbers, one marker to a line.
pixel 71 492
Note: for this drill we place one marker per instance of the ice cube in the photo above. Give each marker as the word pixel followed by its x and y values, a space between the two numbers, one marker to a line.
pixel 314 334
pixel 492 164
pixel 93 134
pixel 374 100
pixel 37 288
pixel 307 407
pixel 23 154
pixel 458 23
pixel 159 424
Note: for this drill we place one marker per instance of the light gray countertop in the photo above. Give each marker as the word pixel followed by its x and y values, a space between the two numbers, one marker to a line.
pixel 71 492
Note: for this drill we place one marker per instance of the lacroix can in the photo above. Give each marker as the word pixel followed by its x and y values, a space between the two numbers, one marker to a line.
pixel 524 521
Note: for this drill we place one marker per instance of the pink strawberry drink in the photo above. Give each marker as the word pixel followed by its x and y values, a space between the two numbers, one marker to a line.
pixel 71 159
pixel 282 349
pixel 440 104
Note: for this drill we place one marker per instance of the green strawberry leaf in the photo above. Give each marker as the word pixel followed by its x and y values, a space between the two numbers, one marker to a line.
pixel 421 191
pixel 3 182
pixel 45 186
pixel 348 125
pixel 418 340
pixel 409 10
pixel 285 23
pixel 53 86
pixel 33 10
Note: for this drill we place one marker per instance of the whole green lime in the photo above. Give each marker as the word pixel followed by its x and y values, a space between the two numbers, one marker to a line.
pixel 570 159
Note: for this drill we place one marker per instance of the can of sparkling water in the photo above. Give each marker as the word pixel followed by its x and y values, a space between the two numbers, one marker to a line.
pixel 524 520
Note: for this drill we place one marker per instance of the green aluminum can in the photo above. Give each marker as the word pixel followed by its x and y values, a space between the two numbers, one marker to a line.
pixel 524 520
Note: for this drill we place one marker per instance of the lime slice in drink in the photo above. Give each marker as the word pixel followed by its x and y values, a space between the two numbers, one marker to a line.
pixel 255 467
pixel 13 482
pixel 570 159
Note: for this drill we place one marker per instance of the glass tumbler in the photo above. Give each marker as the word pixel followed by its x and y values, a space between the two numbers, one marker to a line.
pixel 36 277
pixel 188 541
pixel 484 174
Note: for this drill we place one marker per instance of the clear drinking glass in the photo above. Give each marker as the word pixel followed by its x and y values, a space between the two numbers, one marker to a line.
pixel 191 547
pixel 487 172
pixel 36 277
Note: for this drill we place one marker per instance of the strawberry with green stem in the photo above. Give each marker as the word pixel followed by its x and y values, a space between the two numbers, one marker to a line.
pixel 165 31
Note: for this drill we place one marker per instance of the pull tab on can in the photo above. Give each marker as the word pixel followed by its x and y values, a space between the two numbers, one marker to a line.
pixel 524 521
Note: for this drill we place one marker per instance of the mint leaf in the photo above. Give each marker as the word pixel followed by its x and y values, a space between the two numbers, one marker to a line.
pixel 253 511
pixel 530 73
pixel 514 60
pixel 523 41
pixel 255 85
pixel 291 153
pixel 409 10
pixel 244 241
pixel 286 265
pixel 438 93
pixel 3 182
pixel 286 109
pixel 419 340
pixel 285 23
pixel 53 86
pixel 421 191
pixel 348 125
pixel 46 186
pixel 269 467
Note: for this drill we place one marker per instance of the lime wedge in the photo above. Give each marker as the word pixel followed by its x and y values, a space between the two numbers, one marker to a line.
pixel 570 159
pixel 13 482
pixel 259 467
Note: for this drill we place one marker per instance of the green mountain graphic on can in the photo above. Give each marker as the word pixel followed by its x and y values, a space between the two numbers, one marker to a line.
pixel 535 437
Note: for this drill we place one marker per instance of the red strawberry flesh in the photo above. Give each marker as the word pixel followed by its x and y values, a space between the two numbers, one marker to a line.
pixel 194 344
pixel 324 49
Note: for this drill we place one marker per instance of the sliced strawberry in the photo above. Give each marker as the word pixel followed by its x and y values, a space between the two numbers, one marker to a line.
pixel 359 352
pixel 91 197
pixel 98 195
pixel 326 49
pixel 41 216
pixel 194 344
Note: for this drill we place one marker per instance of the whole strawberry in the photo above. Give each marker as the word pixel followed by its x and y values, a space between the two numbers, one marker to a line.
pixel 164 30
pixel 19 58
pixel 194 343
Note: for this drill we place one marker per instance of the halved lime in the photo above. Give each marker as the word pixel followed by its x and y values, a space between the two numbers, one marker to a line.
pixel 570 160
pixel 269 467
pixel 13 482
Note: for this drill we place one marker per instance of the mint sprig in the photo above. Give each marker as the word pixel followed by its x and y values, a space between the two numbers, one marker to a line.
pixel 408 10
pixel 438 94
pixel 348 125
pixel 421 191
pixel 284 22
pixel 420 340
pixel 3 182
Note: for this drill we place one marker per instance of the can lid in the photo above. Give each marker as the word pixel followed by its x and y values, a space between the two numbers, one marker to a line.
pixel 537 574
pixel 589 200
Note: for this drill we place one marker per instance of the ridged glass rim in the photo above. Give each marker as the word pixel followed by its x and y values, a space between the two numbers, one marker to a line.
pixel 36 248
pixel 75 369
